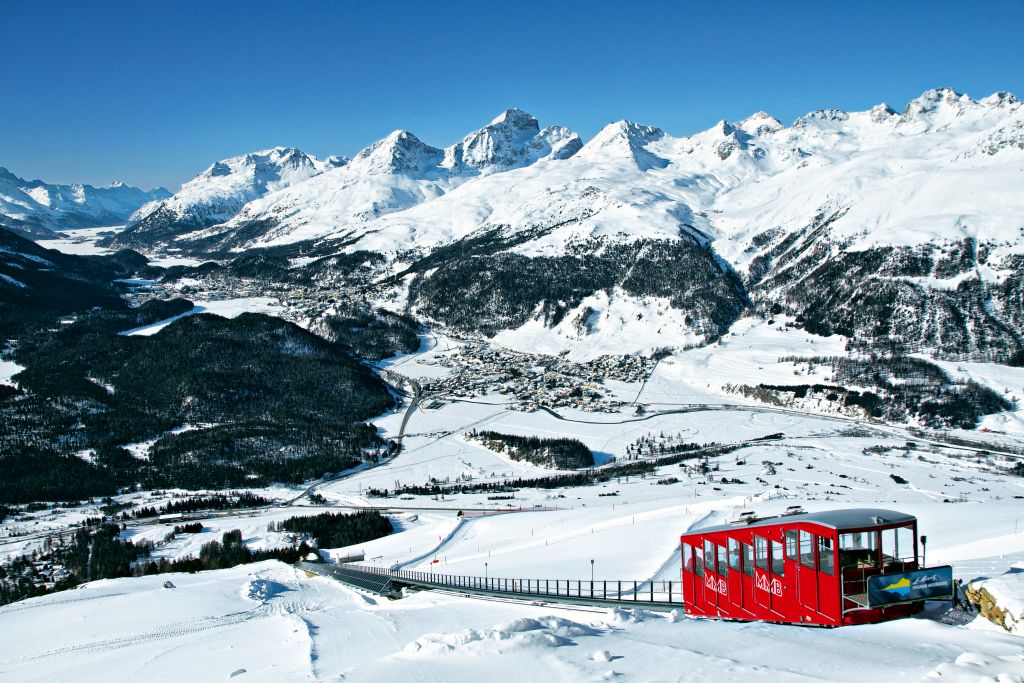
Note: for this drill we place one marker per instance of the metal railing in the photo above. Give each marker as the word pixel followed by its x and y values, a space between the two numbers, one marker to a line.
pixel 854 581
pixel 645 593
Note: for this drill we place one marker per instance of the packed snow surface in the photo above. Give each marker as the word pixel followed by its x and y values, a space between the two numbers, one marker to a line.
pixel 269 622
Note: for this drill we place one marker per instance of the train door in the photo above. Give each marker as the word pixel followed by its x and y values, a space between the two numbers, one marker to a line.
pixel 747 552
pixel 698 580
pixel 807 581
pixel 710 577
pixel 778 566
pixel 828 584
pixel 735 578
pixel 762 579
pixel 691 561
pixel 722 581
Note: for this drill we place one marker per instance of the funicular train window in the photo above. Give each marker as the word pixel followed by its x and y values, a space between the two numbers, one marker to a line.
pixel 687 557
pixel 792 548
pixel 734 554
pixel 807 549
pixel 709 555
pixel 858 549
pixel 761 552
pixel 905 543
pixel 698 562
pixel 826 556
pixel 748 559
pixel 898 545
pixel 723 566
pixel 889 552
pixel 778 565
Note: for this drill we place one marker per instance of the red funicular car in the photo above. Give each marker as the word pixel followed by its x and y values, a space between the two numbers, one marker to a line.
pixel 823 568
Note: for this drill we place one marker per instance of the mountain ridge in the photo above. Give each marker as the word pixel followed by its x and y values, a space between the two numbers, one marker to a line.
pixel 894 230
pixel 35 208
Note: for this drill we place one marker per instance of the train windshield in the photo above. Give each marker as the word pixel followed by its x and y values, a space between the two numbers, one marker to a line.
pixel 877 548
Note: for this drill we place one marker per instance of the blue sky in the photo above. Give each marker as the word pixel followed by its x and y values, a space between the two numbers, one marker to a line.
pixel 152 93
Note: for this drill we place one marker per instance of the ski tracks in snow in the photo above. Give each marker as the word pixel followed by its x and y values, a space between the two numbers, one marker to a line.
pixel 123 640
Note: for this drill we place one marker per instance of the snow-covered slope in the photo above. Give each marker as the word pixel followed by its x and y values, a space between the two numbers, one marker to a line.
pixel 949 167
pixel 391 175
pixel 219 192
pixel 871 224
pixel 883 227
pixel 36 208
pixel 511 140
pixel 268 621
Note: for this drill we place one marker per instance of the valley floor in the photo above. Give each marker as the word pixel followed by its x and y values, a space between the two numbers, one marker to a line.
pixel 271 622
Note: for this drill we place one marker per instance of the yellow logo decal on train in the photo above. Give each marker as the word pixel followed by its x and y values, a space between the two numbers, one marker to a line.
pixel 901 587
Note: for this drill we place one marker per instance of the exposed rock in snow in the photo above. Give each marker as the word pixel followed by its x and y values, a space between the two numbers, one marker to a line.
pixel 760 123
pixel 1001 599
pixel 511 140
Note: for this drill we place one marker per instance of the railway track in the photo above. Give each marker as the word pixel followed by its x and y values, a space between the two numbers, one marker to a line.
pixel 647 594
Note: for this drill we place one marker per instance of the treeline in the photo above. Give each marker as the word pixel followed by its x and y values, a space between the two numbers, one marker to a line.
pixel 93 552
pixel 283 404
pixel 335 530
pixel 97 552
pixel 230 551
pixel 472 286
pixel 904 387
pixel 237 501
pixel 587 477
pixel 874 296
pixel 372 334
pixel 562 454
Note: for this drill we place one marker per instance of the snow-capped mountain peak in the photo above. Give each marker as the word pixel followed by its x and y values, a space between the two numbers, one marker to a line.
pixel 35 208
pixel 401 152
pixel 219 193
pixel 264 167
pixel 883 113
pixel 511 140
pixel 936 105
pixel 625 139
pixel 821 116
pixel 516 118
pixel 760 123
pixel 1000 99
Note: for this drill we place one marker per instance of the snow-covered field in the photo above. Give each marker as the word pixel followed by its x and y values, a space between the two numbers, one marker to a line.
pixel 81 241
pixel 8 369
pixel 269 622
pixel 272 622
pixel 227 308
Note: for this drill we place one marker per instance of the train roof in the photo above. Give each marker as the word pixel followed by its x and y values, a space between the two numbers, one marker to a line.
pixel 852 518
